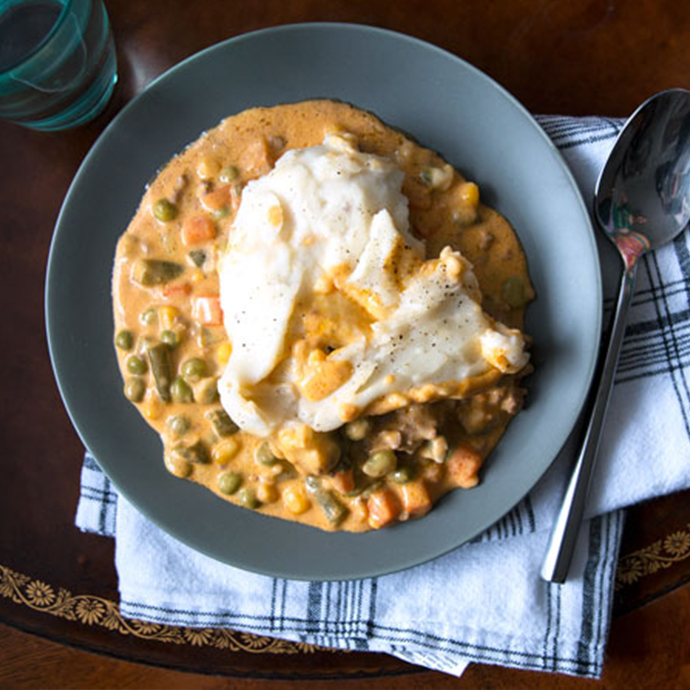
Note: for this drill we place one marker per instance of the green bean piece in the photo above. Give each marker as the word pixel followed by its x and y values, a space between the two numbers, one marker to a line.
pixel 170 338
pixel 135 388
pixel 229 482
pixel 334 511
pixel 159 359
pixel 179 424
pixel 124 340
pixel 136 365
pixel 229 174
pixel 222 424
pixel 206 390
pixel 164 210
pixel 402 475
pixel 247 498
pixel 196 453
pixel 198 257
pixel 149 272
pixel 357 430
pixel 149 317
pixel 264 455
pixel 181 391
pixel 194 369
pixel 380 463
pixel 513 291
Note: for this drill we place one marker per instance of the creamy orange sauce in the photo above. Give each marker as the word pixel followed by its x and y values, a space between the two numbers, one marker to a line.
pixel 187 212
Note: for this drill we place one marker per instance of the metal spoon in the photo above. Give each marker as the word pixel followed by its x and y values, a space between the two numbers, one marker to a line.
pixel 641 201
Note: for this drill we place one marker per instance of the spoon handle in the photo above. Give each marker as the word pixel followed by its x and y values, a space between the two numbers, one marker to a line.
pixel 567 526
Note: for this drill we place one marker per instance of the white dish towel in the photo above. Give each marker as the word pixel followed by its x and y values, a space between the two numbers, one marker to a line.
pixel 485 602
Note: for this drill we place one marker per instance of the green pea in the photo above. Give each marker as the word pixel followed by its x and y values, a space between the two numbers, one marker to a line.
pixel 164 210
pixel 135 389
pixel 136 365
pixel 247 498
pixel 180 391
pixel 379 464
pixel 221 213
pixel 229 482
pixel 180 467
pixel 229 173
pixel 264 455
pixel 513 291
pixel 124 340
pixel 206 390
pixel 149 317
pixel 170 338
pixel 402 475
pixel 179 424
pixel 194 369
pixel 357 430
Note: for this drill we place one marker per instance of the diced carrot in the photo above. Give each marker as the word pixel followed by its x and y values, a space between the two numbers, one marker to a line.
pixel 198 229
pixel 257 158
pixel 206 310
pixel 360 511
pixel 463 464
pixel 344 481
pixel 171 292
pixel 415 498
pixel 383 507
pixel 226 195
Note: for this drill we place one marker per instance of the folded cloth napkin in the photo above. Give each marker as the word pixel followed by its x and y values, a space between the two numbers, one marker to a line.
pixel 485 602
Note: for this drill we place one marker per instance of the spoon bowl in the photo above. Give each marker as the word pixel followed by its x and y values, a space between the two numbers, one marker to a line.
pixel 641 202
pixel 642 196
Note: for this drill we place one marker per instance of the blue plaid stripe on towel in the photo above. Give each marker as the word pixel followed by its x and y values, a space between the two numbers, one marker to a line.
pixel 485 602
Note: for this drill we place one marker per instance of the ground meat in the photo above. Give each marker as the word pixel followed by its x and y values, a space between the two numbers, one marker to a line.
pixel 408 428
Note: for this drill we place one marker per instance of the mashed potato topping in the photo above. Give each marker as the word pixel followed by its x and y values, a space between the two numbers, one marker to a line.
pixel 329 225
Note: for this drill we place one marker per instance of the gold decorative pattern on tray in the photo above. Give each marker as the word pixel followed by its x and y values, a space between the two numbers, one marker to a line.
pixel 661 554
pixel 92 610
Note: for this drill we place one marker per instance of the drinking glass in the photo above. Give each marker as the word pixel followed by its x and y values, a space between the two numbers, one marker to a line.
pixel 57 62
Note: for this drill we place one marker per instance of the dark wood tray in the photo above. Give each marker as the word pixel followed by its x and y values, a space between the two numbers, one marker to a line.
pixel 574 58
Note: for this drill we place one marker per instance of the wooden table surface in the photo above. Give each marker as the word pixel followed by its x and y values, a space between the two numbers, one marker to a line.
pixel 578 57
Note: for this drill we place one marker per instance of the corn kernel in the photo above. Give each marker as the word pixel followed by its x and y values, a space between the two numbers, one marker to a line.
pixel 275 216
pixel 152 408
pixel 295 501
pixel 197 276
pixel 208 167
pixel 167 317
pixel 267 493
pixel 223 353
pixel 469 193
pixel 224 452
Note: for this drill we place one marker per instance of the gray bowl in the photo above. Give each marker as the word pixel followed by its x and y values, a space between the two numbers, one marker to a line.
pixel 444 103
